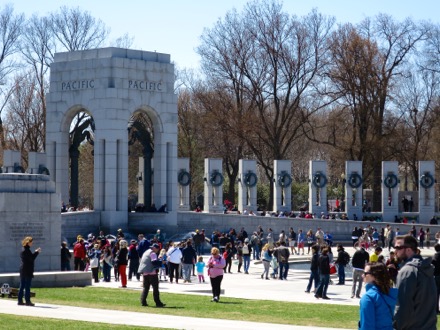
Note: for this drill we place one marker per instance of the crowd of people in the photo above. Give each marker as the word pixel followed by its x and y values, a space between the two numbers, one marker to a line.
pixel 401 290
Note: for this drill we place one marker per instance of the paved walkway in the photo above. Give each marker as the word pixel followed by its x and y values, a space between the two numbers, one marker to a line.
pixel 237 285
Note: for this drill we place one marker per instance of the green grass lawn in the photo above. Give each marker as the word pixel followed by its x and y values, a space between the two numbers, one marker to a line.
pixel 38 323
pixel 319 315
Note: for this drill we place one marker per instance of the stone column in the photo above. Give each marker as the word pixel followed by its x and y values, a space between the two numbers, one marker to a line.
pixel 426 190
pixel 390 190
pixel 318 187
pixel 37 163
pixel 183 183
pixel 29 206
pixel 213 201
pixel 282 200
pixel 247 185
pixel 11 161
pixel 353 189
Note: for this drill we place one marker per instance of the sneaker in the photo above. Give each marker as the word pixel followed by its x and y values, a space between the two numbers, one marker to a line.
pixel 216 299
pixel 307 291
pixel 30 304
pixel 144 304
pixel 20 303
pixel 326 298
pixel 161 305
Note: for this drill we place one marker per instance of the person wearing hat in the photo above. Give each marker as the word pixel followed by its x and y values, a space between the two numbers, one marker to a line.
pixel 79 254
pixel 148 267
pixel 133 256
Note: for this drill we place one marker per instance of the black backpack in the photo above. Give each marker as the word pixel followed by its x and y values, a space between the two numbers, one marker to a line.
pixel 345 257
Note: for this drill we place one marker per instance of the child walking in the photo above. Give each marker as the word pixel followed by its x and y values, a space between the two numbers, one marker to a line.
pixel 163 268
pixel 200 265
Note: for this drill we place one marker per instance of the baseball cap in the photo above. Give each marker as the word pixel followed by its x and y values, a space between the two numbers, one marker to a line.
pixel 156 246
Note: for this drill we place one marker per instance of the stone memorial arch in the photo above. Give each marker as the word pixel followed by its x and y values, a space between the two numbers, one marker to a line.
pixel 115 86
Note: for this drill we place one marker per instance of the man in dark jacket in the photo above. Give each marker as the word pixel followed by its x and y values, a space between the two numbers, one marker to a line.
pixel 436 263
pixel 198 240
pixel 133 256
pixel 314 270
pixel 189 257
pixel 282 254
pixel 416 300
pixel 342 260
pixel 360 258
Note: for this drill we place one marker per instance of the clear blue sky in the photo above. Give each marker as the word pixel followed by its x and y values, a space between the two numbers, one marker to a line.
pixel 174 26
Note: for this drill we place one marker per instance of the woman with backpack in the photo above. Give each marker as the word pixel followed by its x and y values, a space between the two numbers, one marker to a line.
pixel 247 250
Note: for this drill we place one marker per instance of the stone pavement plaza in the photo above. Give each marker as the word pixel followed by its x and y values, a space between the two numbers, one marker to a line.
pixel 237 285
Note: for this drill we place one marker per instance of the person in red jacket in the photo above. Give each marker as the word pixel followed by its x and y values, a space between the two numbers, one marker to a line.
pixel 79 254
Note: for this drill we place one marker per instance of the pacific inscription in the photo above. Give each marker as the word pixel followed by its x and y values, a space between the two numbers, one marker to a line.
pixel 150 86
pixel 77 84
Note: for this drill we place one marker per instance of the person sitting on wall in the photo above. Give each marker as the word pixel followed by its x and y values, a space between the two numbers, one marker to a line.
pixel 152 208
pixel 163 208
pixel 139 207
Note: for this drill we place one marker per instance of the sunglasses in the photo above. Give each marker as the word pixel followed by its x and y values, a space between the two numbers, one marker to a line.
pixel 367 273
pixel 401 247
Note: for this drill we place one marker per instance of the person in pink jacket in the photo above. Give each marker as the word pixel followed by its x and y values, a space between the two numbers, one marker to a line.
pixel 216 266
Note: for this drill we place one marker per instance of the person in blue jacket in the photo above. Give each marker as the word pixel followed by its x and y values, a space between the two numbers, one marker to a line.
pixel 379 301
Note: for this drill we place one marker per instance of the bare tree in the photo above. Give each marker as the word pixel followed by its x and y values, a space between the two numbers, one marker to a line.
pixel 125 41
pixel 24 123
pixel 418 99
pixel 38 51
pixel 270 63
pixel 10 31
pixel 78 30
pixel 367 62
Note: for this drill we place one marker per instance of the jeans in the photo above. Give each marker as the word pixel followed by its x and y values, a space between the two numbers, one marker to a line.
pixel 25 286
pixel 266 265
pixel 256 252
pixel 216 286
pixel 79 264
pixel 133 268
pixel 246 262
pixel 65 265
pixel 186 270
pixel 341 273
pixel 324 279
pixel 95 274
pixel 198 249
pixel 284 269
pixel 150 280
pixel 314 277
pixel 357 278
pixel 106 271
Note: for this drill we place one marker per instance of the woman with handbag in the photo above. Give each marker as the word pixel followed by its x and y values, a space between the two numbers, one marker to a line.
pixel 94 258
pixel 216 266
pixel 378 303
